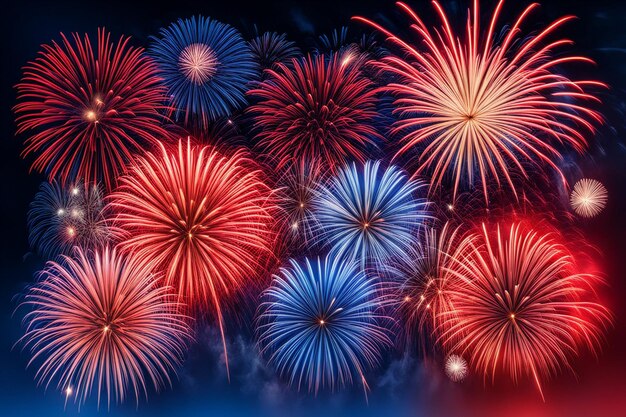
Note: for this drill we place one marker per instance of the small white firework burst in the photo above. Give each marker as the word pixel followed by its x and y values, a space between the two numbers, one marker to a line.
pixel 456 368
pixel 588 197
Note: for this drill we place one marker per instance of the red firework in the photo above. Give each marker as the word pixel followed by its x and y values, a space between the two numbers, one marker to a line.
pixel 477 107
pixel 315 108
pixel 88 110
pixel 101 320
pixel 521 304
pixel 204 219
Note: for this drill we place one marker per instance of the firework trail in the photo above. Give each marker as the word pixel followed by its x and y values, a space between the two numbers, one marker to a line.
pixel 101 321
pixel 320 324
pixel 476 107
pixel 87 110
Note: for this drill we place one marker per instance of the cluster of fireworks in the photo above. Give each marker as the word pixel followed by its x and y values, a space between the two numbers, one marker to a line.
pixel 331 188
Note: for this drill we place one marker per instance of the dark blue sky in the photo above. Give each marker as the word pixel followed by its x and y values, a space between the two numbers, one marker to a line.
pixel 403 387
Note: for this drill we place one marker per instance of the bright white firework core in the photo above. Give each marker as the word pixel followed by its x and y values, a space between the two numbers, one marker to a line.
pixel 456 368
pixel 198 62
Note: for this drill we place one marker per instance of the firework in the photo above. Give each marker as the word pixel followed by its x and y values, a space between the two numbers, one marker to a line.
pixel 204 219
pixel 421 279
pixel 271 48
pixel 63 217
pixel 370 213
pixel 298 188
pixel 88 110
pixel 521 304
pixel 100 321
pixel 476 107
pixel 588 197
pixel 456 368
pixel 319 109
pixel 206 66
pixel 320 324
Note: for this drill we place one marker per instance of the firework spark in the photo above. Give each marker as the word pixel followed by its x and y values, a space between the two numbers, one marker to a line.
pixel 101 321
pixel 370 213
pixel 588 197
pixel 206 66
pixel 90 110
pixel 63 217
pixel 477 107
pixel 320 323
pixel 521 305
pixel 204 219
pixel 317 110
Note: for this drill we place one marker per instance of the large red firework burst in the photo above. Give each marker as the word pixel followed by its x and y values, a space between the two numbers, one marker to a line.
pixel 204 219
pixel 102 321
pixel 87 110
pixel 315 108
pixel 522 304
pixel 476 107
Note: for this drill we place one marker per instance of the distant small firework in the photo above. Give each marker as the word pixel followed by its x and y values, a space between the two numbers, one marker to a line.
pixel 100 321
pixel 369 212
pixel 206 66
pixel 61 217
pixel 456 368
pixel 204 219
pixel 588 197
pixel 315 109
pixel 88 110
pixel 485 108
pixel 320 324
pixel 521 305
pixel 271 48
pixel 298 188
pixel 421 280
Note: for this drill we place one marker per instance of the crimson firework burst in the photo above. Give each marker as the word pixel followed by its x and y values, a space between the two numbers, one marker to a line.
pixel 521 304
pixel 476 107
pixel 102 321
pixel 316 108
pixel 88 110
pixel 204 219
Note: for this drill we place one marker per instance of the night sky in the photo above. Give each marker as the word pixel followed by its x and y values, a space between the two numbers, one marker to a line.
pixel 402 386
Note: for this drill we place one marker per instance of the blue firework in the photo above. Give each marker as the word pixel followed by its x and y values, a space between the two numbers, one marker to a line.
pixel 63 217
pixel 369 213
pixel 206 66
pixel 321 323
pixel 271 48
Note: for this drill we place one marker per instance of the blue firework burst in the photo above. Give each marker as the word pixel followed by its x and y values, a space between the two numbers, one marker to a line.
pixel 369 213
pixel 206 66
pixel 321 324
pixel 63 217
pixel 271 48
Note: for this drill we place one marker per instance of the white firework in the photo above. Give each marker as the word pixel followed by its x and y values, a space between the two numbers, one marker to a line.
pixel 456 368
pixel 588 197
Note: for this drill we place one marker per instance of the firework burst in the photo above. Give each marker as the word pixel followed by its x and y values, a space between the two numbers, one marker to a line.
pixel 370 213
pixel 63 217
pixel 480 108
pixel 271 48
pixel 521 305
pixel 456 368
pixel 88 110
pixel 100 321
pixel 315 109
pixel 422 280
pixel 206 66
pixel 588 197
pixel 320 324
pixel 204 219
